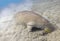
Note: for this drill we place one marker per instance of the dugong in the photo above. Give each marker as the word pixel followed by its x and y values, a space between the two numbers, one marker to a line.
pixel 33 21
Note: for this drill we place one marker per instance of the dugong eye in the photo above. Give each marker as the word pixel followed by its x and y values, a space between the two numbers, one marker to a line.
pixel 33 29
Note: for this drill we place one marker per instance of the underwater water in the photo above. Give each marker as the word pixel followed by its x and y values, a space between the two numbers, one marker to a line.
pixel 10 31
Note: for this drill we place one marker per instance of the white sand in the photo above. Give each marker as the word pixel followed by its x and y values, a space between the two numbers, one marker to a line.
pixel 14 32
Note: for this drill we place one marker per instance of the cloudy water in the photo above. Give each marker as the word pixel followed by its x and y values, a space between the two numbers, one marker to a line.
pixel 7 13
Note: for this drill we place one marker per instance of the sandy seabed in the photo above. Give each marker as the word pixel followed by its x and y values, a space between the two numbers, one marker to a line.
pixel 15 32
